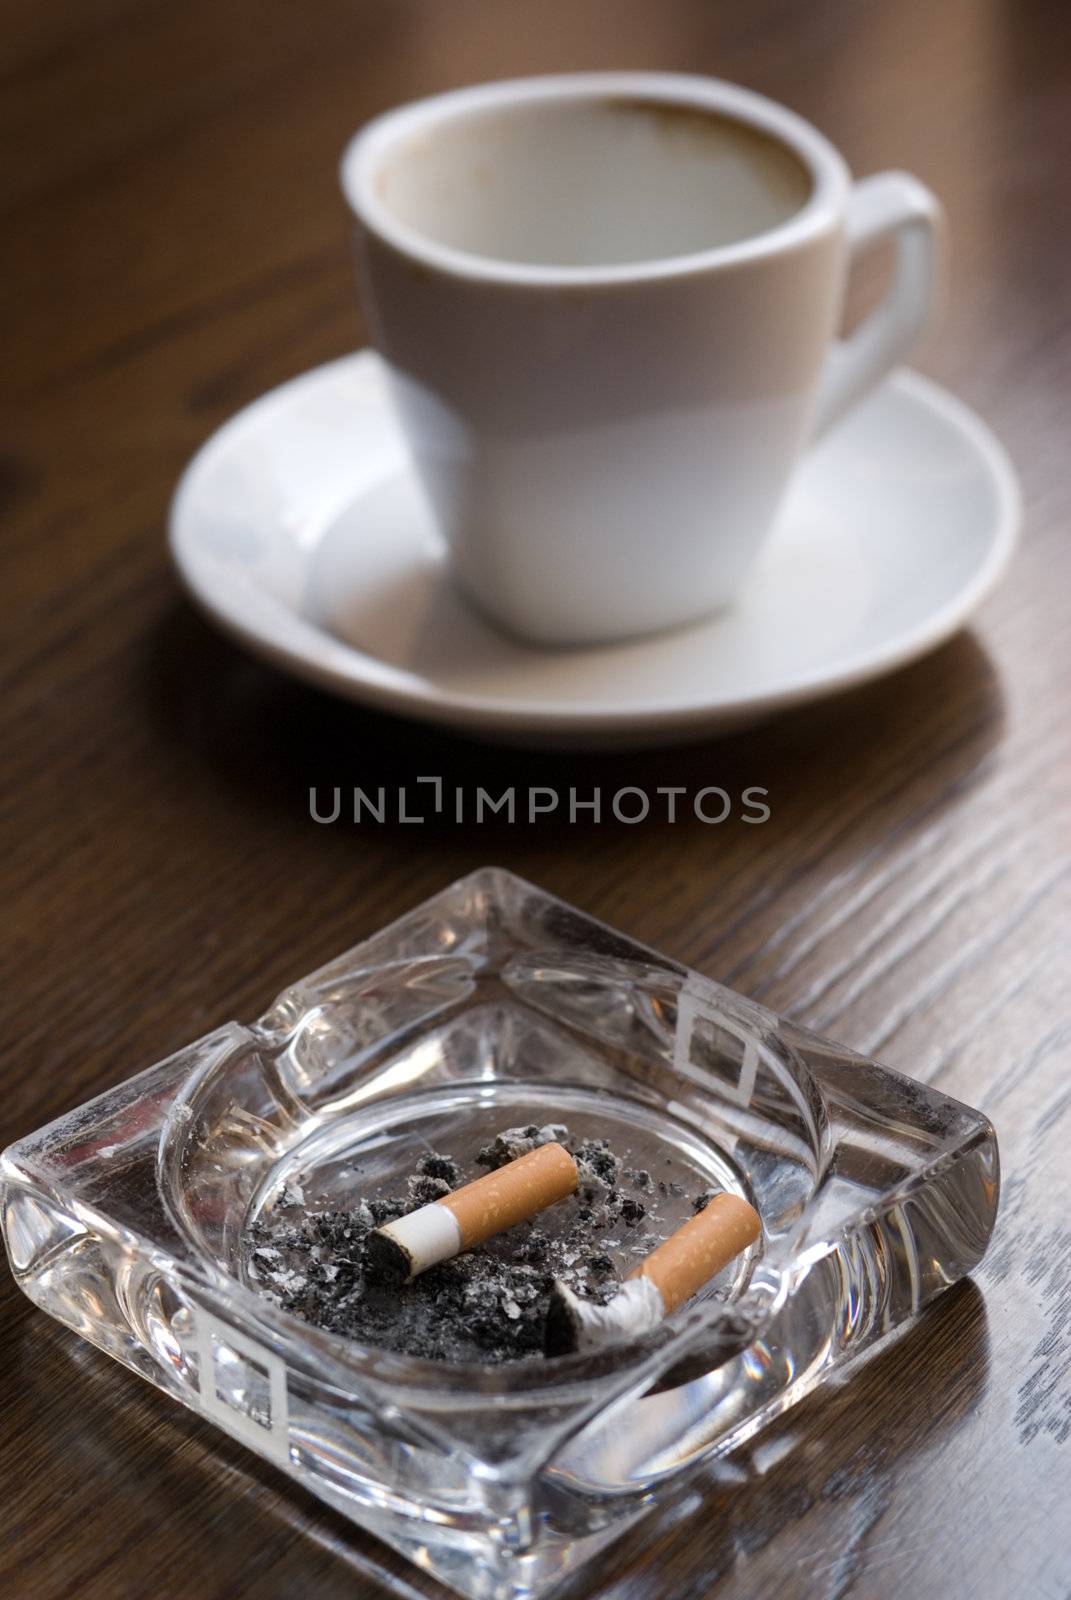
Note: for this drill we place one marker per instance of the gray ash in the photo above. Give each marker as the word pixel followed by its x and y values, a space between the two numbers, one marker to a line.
pixel 441 1167
pixel 513 1142
pixel 486 1305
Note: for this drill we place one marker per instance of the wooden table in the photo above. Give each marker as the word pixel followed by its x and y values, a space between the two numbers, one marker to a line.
pixel 173 245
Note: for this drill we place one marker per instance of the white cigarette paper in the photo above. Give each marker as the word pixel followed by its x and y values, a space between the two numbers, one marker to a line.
pixel 427 1236
pixel 580 1325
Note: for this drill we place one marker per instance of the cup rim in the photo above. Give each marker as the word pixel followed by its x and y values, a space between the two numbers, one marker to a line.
pixel 821 212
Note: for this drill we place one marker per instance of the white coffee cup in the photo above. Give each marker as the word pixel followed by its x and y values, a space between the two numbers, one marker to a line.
pixel 608 303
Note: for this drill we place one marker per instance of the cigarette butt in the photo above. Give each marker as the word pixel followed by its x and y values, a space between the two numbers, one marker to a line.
pixel 700 1248
pixel 668 1277
pixel 403 1249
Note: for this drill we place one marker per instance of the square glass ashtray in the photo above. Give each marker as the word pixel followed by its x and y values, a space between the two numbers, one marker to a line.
pixel 494 1005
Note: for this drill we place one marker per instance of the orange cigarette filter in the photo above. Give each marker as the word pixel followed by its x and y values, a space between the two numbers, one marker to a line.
pixel 518 1190
pixel 699 1248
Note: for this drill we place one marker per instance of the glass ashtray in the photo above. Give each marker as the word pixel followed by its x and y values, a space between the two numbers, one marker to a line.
pixel 492 1005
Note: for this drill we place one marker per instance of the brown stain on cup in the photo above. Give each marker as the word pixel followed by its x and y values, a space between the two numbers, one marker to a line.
pixel 703 128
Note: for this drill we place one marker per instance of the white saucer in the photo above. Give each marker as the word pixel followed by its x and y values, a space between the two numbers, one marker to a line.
pixel 300 529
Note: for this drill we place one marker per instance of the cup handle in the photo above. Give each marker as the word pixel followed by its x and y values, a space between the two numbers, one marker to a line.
pixel 896 206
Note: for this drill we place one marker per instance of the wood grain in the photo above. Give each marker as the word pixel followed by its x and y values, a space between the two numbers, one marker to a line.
pixel 172 245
